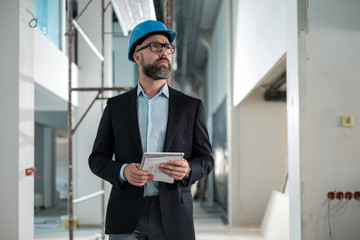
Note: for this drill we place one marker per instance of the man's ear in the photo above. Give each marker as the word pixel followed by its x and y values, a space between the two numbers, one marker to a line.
pixel 135 56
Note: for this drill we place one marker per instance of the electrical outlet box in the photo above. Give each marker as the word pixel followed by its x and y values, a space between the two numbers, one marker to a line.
pixel 347 121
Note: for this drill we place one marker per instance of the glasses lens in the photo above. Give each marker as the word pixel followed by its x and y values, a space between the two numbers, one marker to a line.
pixel 156 47
pixel 170 48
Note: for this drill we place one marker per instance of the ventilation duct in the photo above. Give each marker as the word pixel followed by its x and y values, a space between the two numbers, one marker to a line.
pixel 277 90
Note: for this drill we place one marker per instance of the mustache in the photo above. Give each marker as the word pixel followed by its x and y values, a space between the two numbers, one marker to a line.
pixel 162 59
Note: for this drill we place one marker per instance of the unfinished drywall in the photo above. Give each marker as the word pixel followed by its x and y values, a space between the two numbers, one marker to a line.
pixel 258 156
pixel 328 89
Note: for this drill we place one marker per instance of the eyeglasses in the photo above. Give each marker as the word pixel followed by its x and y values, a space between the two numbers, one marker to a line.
pixel 158 47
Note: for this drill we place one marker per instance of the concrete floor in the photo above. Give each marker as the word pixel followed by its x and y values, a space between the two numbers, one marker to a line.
pixel 208 226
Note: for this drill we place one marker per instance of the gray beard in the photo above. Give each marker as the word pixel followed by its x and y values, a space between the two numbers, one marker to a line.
pixel 157 73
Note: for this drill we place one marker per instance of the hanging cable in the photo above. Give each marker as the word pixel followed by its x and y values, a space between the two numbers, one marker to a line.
pixel 33 22
pixel 329 224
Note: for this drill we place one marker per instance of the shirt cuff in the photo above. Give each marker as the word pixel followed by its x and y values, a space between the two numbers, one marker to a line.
pixel 122 178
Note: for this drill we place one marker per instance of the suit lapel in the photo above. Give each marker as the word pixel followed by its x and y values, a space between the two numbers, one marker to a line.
pixel 175 111
pixel 130 109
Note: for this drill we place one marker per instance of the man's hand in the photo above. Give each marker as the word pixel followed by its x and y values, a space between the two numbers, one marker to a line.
pixel 135 176
pixel 176 169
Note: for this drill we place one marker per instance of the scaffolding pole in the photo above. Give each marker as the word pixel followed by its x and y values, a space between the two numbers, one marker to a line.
pixel 169 23
pixel 102 85
pixel 169 13
pixel 99 96
pixel 70 166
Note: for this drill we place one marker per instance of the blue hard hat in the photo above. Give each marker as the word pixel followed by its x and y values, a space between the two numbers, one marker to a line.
pixel 146 29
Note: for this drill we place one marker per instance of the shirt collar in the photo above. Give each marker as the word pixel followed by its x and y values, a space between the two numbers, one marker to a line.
pixel 164 90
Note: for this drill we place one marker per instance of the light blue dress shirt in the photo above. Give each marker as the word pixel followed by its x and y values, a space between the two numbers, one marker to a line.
pixel 152 117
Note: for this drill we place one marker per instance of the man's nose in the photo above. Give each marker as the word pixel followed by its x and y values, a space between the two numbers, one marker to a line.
pixel 163 51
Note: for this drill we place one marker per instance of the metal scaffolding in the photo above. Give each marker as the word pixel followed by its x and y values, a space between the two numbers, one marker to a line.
pixel 71 25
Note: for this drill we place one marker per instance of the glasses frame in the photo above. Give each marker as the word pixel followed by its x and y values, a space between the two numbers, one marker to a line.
pixel 162 47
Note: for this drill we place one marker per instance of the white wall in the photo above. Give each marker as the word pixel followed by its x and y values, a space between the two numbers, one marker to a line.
pixel 17 125
pixel 85 182
pixel 295 31
pixel 258 128
pixel 258 156
pixel 51 67
pixel 259 42
pixel 328 88
pixel 10 122
pixel 26 126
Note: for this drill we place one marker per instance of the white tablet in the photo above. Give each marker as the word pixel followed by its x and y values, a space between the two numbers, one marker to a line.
pixel 151 161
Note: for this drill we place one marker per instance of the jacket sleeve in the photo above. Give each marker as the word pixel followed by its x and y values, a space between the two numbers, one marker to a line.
pixel 101 160
pixel 201 161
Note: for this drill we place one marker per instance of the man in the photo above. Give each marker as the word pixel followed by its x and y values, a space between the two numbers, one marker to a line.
pixel 152 117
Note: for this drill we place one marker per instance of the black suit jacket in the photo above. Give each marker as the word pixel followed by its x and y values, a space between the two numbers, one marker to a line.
pixel 119 134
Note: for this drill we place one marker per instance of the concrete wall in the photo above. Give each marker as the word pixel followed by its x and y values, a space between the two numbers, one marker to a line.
pixel 17 122
pixel 324 88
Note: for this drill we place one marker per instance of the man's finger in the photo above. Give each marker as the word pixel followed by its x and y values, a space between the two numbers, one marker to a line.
pixel 173 167
pixel 142 177
pixel 138 171
pixel 182 163
pixel 135 176
pixel 140 181
pixel 174 173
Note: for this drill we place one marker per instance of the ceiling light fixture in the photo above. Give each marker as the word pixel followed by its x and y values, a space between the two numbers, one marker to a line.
pixel 130 13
